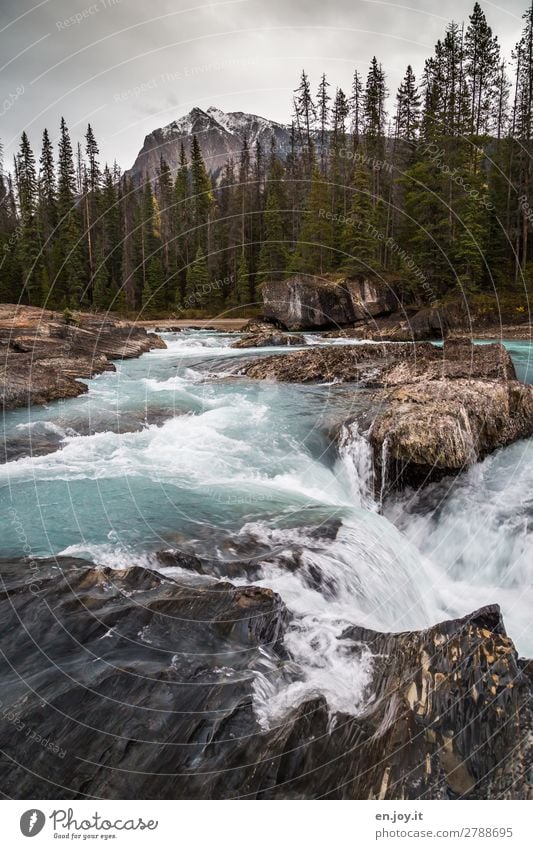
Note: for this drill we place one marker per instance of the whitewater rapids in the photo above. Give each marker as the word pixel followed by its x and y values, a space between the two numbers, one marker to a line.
pixel 176 446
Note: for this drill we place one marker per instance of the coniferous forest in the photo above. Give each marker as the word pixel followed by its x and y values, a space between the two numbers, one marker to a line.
pixel 430 183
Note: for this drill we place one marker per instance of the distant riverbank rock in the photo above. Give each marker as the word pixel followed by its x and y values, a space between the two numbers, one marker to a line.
pixel 434 410
pixel 307 302
pixel 43 353
pixel 269 339
pixel 148 692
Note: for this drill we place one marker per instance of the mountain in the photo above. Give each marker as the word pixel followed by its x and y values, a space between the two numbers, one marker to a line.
pixel 220 135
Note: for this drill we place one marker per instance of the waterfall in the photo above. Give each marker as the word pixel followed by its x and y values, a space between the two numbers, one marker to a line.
pixel 356 459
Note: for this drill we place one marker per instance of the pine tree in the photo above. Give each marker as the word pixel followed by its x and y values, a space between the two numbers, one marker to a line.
pixel 360 235
pixel 197 289
pixel 108 247
pixel 166 200
pixel 314 251
pixel 132 258
pixel 182 222
pixel 70 282
pixel 482 54
pixel 356 108
pixel 10 275
pixel 28 245
pixel 91 200
pixel 323 100
pixel 374 103
pixel 242 286
pixel 47 210
pixel 274 254
pixel 305 116
pixel 202 199
pixel 407 108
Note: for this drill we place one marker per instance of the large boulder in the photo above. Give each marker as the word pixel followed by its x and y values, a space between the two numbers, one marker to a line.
pixel 433 428
pixel 307 302
pixel 434 410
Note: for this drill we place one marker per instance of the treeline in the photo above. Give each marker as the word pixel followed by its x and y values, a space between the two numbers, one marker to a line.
pixel 436 190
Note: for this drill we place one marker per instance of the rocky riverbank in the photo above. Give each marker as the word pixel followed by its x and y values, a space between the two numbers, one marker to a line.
pixel 144 687
pixel 434 410
pixel 44 353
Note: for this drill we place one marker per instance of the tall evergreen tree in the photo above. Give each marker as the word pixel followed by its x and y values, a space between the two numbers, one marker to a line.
pixel 274 254
pixel 323 99
pixel 29 243
pixel 407 107
pixel 313 253
pixel 482 55
pixel 202 199
pixel 360 235
pixel 70 282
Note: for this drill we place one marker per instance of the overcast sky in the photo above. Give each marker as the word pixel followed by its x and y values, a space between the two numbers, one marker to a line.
pixel 129 66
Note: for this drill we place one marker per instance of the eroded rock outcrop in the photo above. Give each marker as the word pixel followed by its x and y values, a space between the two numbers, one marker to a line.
pixel 130 684
pixel 43 353
pixel 259 334
pixel 307 302
pixel 435 409
pixel 433 428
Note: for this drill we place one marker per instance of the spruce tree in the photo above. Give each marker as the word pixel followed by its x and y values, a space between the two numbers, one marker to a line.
pixel 323 99
pixel 197 288
pixel 305 116
pixel 356 108
pixel 202 198
pixel 482 56
pixel 29 242
pixel 274 254
pixel 48 216
pixel 360 235
pixel 407 108
pixel 183 217
pixel 314 251
pixel 70 281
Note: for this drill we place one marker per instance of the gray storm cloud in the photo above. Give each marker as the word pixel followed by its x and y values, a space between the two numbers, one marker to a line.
pixel 128 66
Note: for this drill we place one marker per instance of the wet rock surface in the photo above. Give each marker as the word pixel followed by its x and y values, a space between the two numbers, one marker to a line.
pixel 132 684
pixel 43 355
pixel 436 409
pixel 307 302
pixel 430 429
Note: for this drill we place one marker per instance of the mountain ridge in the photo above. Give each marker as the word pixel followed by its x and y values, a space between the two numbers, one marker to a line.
pixel 220 135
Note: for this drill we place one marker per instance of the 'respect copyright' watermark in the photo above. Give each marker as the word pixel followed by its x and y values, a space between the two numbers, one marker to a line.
pixel 66 824
pixel 84 14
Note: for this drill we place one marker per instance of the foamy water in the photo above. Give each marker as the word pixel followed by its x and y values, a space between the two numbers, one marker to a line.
pixel 228 455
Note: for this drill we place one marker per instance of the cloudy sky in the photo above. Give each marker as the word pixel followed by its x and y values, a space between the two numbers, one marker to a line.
pixel 128 66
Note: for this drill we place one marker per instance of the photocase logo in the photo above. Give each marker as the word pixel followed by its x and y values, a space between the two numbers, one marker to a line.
pixel 32 822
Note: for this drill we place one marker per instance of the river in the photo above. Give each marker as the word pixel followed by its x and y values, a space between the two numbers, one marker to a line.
pixel 176 449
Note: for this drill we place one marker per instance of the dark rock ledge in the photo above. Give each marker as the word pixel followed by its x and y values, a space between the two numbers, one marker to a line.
pixel 434 410
pixel 128 684
pixel 43 353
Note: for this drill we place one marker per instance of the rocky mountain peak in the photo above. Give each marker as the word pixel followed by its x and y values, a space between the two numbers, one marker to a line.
pixel 219 133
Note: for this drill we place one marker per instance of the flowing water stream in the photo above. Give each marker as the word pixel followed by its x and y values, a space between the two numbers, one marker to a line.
pixel 177 449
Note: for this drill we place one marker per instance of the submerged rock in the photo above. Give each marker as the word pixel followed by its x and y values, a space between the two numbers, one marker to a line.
pixel 130 684
pixel 44 353
pixel 307 302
